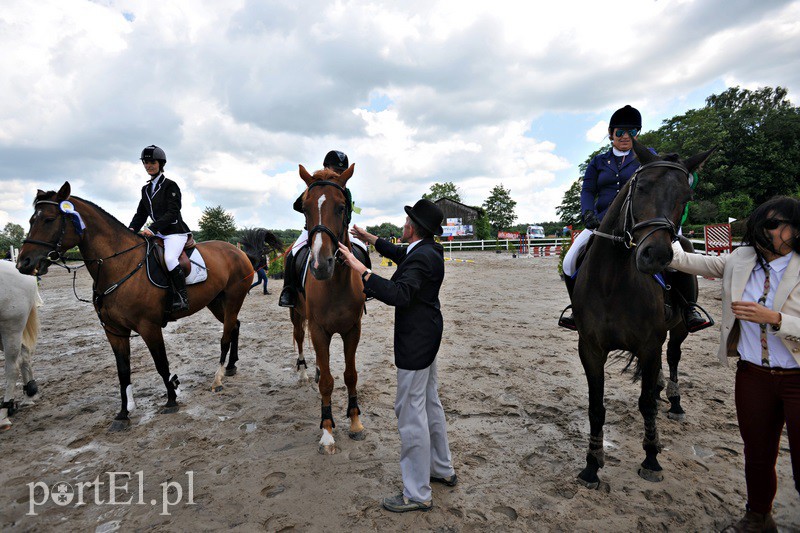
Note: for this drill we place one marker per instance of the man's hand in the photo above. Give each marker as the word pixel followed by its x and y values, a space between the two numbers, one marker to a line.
pixel 351 260
pixel 590 220
pixel 362 235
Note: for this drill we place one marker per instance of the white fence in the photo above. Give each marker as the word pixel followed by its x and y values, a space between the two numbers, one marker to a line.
pixel 506 244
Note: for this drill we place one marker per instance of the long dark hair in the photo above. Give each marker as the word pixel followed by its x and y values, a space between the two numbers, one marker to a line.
pixel 782 207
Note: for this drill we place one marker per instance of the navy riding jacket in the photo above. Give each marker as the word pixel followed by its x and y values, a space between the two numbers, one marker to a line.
pixel 603 180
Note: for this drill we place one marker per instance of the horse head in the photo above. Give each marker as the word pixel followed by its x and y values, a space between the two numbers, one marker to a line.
pixel 51 234
pixel 327 207
pixel 655 198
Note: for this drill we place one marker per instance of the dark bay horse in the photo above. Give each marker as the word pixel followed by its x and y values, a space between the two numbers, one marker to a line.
pixel 334 295
pixel 618 305
pixel 123 297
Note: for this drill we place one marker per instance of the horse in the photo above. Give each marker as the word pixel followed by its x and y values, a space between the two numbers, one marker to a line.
pixel 619 305
pixel 258 243
pixel 124 298
pixel 19 332
pixel 334 296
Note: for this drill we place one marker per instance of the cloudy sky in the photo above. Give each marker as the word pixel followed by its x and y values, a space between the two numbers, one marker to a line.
pixel 240 92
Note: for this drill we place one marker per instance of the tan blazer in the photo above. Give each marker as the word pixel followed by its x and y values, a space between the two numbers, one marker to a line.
pixel 735 269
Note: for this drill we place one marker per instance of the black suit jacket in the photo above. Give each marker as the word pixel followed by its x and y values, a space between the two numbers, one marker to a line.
pixel 414 292
pixel 163 206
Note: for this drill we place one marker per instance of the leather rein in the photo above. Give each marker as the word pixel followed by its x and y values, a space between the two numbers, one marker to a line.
pixel 630 226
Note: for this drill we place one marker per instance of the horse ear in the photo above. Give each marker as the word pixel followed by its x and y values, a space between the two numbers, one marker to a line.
pixel 63 192
pixel 696 161
pixel 645 156
pixel 308 178
pixel 347 174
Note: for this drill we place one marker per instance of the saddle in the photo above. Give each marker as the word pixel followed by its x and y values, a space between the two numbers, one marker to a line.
pixel 301 263
pixel 157 268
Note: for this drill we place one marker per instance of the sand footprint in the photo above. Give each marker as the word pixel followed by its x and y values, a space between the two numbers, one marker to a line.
pixel 273 485
pixel 508 511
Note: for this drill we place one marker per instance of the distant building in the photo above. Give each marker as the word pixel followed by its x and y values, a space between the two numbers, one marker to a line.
pixel 460 220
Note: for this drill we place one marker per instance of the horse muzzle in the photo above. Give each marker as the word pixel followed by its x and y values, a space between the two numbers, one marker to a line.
pixel 322 267
pixel 33 266
pixel 653 256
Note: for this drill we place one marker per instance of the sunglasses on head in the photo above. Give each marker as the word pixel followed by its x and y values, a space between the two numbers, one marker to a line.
pixel 633 132
pixel 773 223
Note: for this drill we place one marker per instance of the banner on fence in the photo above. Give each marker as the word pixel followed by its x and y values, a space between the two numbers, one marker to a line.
pixel 509 235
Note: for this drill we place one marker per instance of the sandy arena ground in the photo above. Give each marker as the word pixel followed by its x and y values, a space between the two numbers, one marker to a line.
pixel 511 384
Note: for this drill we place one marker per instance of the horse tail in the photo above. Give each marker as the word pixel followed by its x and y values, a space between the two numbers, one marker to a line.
pixel 31 332
pixel 273 242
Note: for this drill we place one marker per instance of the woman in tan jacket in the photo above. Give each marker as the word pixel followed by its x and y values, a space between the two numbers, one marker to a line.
pixel 761 326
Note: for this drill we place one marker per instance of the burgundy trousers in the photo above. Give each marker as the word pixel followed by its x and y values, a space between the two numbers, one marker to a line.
pixel 765 400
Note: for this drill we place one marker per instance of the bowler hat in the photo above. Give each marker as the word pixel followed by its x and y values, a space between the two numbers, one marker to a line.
pixel 428 215
pixel 336 160
pixel 626 117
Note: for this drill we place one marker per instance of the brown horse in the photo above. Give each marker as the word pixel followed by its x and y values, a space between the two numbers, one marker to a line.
pixel 334 295
pixel 124 298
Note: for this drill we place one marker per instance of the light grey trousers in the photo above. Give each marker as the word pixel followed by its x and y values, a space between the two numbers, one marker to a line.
pixel 424 449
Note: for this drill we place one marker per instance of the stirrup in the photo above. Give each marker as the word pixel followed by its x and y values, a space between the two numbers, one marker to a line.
pixel 568 321
pixel 707 323
pixel 287 299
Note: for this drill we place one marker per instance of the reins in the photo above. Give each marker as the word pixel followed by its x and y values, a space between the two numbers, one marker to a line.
pixel 630 226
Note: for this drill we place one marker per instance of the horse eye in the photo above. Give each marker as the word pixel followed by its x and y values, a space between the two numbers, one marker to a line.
pixel 49 220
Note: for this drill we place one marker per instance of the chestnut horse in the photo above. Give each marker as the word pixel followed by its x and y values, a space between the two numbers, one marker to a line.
pixel 124 298
pixel 334 295
pixel 618 305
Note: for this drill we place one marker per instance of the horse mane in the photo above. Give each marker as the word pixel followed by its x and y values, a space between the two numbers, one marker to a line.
pixel 108 217
pixel 259 241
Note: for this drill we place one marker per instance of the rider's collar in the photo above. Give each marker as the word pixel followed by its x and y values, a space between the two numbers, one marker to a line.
pixel 155 179
pixel 619 153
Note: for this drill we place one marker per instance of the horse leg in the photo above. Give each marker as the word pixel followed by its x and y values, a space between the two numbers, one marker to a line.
pixel 322 341
pixel 121 346
pixel 155 343
pixel 29 387
pixel 593 359
pixel 650 364
pixel 299 333
pixel 676 337
pixel 230 370
pixel 351 379
pixel 11 345
pixel 230 336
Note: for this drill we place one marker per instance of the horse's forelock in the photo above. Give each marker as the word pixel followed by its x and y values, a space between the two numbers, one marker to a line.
pixel 326 174
pixel 43 195
pixel 671 157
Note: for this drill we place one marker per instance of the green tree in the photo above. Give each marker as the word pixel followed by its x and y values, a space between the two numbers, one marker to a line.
pixel 569 212
pixel 500 208
pixel 216 224
pixel 483 229
pixel 12 235
pixel 385 230
pixel 757 140
pixel 443 190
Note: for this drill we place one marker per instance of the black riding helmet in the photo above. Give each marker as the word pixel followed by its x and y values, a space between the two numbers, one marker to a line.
pixel 153 152
pixel 625 117
pixel 336 160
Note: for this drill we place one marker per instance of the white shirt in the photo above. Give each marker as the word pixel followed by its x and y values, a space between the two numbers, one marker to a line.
pixel 750 340
pixel 412 245
pixel 154 183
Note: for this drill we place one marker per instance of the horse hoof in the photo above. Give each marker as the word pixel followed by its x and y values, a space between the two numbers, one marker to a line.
pixel 30 388
pixel 680 417
pixel 357 435
pixel 119 425
pixel 218 388
pixel 230 371
pixel 651 475
pixel 169 409
pixel 328 449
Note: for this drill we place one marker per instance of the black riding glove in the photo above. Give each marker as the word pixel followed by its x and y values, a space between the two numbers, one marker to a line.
pixel 590 220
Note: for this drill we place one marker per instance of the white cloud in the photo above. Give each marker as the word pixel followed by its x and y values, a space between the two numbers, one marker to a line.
pixel 240 92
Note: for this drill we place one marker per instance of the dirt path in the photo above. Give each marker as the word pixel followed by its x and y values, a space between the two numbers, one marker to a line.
pixel 511 384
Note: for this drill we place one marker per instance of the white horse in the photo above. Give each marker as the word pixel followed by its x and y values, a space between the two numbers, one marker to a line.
pixel 19 331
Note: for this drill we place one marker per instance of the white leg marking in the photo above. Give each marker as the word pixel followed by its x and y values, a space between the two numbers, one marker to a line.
pixel 327 438
pixel 129 394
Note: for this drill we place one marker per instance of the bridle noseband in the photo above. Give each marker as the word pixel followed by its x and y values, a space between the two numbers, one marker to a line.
pixel 630 226
pixel 325 229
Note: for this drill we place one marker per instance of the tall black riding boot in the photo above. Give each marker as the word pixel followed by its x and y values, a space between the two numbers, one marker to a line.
pixel 288 296
pixel 686 285
pixel 180 298
pixel 568 321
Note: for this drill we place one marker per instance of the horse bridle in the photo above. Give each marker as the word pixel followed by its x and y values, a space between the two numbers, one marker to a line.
pixel 630 226
pixel 325 229
pixel 55 248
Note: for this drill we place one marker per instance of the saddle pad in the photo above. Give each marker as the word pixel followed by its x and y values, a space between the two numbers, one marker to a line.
pixel 201 272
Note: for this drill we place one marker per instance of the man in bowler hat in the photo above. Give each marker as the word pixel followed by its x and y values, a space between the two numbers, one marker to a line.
pixel 414 292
